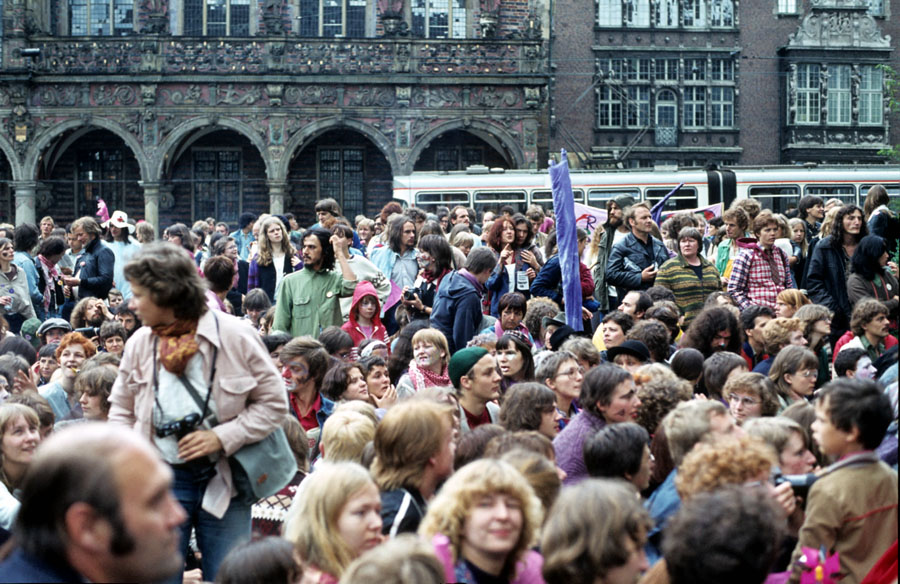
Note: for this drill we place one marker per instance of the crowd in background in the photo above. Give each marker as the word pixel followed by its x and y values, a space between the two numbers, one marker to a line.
pixel 727 403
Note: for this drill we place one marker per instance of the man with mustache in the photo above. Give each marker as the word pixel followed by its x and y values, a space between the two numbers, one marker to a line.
pixel 309 300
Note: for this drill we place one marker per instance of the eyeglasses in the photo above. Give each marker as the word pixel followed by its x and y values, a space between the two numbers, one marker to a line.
pixel 571 372
pixel 746 401
pixel 808 373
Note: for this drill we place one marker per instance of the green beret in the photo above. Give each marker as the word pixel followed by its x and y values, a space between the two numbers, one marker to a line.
pixel 462 362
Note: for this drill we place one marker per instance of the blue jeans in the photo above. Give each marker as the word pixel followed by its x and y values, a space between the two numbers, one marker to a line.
pixel 215 537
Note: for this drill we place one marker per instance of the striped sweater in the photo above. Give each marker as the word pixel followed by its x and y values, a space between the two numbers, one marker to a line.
pixel 690 292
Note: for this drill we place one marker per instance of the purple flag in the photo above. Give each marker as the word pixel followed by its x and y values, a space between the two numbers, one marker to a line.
pixel 567 240
pixel 656 211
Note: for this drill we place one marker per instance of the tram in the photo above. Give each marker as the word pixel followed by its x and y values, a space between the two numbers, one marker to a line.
pixel 778 188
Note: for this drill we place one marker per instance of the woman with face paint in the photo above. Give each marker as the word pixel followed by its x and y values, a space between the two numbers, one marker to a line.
pixel 514 359
pixel 428 367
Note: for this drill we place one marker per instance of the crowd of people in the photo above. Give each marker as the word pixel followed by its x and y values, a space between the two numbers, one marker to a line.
pixel 402 399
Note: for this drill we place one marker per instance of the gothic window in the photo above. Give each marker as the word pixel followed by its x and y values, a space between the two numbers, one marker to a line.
pixel 694 107
pixel 667 69
pixel 636 12
pixel 434 18
pixel 787 7
pixel 638 112
pixel 609 13
pixel 694 69
pixel 839 94
pixel 100 174
pixel 666 15
pixel 609 109
pixel 695 13
pixel 721 13
pixel 871 107
pixel 722 70
pixel 101 17
pixel 341 177
pixel 216 18
pixel 808 93
pixel 722 107
pixel 216 184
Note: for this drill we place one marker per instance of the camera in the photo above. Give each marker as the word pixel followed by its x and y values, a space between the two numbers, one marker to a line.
pixel 799 483
pixel 181 427
pixel 411 293
pixel 89 331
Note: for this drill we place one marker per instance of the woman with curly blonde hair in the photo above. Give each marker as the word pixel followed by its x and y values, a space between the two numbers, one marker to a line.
pixel 336 518
pixel 276 257
pixel 483 522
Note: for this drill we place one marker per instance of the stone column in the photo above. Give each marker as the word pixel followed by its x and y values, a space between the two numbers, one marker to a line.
pixel 26 195
pixel 276 196
pixel 151 203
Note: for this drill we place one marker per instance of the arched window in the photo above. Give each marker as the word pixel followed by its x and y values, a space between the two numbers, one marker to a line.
pixel 666 118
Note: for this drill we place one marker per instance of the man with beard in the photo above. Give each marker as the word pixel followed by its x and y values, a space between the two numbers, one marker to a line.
pixel 309 300
pixel 611 233
pixel 97 506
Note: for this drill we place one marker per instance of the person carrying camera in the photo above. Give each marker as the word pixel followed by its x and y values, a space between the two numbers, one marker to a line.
pixel 199 385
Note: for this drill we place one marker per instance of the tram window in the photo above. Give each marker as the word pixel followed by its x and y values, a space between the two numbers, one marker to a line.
pixel 598 197
pixel 845 193
pixel 431 201
pixel 778 199
pixel 684 199
pixel 893 190
pixel 545 198
pixel 493 200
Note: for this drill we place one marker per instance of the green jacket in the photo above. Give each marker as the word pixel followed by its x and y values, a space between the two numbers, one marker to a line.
pixel 309 302
pixel 722 253
pixel 690 293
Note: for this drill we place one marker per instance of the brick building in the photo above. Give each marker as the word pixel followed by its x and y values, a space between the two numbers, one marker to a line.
pixel 692 82
pixel 175 110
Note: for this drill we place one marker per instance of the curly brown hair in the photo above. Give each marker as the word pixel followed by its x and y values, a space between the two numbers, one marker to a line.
pixel 658 398
pixel 709 466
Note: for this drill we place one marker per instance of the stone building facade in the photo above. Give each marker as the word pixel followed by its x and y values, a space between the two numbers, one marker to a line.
pixel 182 109
pixel 693 82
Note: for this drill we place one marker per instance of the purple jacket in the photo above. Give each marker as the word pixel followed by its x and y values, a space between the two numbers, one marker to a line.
pixel 569 445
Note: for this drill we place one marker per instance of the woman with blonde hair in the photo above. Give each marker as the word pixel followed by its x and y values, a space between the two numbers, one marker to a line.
pixel 789 301
pixel 335 518
pixel 483 523
pixel 276 257
pixel 19 437
pixel 428 367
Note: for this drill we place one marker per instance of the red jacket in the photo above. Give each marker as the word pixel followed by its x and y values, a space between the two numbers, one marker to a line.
pixel 365 288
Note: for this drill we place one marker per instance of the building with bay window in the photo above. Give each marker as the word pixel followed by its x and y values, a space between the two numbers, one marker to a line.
pixel 694 82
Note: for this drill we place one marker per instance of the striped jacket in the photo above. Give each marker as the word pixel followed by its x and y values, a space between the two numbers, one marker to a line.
pixel 751 279
pixel 690 292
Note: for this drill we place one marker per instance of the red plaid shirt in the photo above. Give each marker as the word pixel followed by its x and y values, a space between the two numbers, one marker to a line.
pixel 751 279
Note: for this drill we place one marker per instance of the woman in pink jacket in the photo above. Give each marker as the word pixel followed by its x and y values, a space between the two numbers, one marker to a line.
pixel 199 385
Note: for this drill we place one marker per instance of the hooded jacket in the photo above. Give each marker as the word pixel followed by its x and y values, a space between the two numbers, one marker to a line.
pixel 365 288
pixel 751 279
pixel 457 310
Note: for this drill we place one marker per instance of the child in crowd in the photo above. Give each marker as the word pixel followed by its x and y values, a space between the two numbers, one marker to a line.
pixel 852 507
pixel 114 299
pixel 365 320
pixel 46 363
